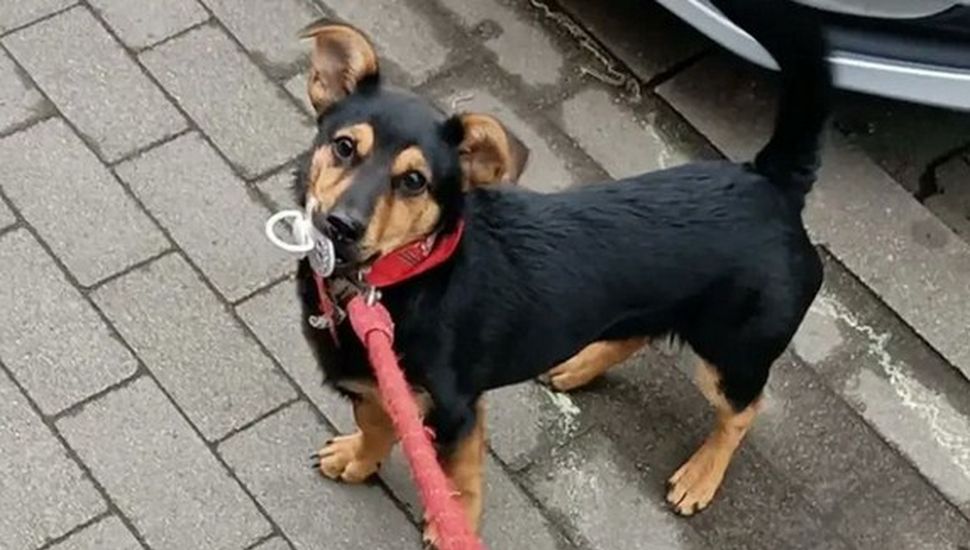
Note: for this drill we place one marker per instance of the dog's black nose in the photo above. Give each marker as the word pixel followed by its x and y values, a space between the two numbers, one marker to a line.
pixel 343 227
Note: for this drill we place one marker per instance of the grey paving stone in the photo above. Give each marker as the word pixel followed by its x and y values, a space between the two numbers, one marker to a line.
pixel 897 384
pixel 269 30
pixel 909 258
pixel 544 62
pixel 277 189
pixel 160 474
pixel 216 374
pixel 20 102
pixel 509 520
pixel 406 38
pixel 598 492
pixel 14 13
pixel 45 494
pixel 237 106
pixel 526 421
pixel 51 338
pixel 105 534
pixel 209 212
pixel 141 24
pixel 77 206
pixel 271 459
pixel 897 512
pixel 643 35
pixel 545 171
pixel 903 138
pixel 815 440
pixel 275 317
pixel 615 136
pixel 94 83
pixel 655 418
pixel 727 101
pixel 296 86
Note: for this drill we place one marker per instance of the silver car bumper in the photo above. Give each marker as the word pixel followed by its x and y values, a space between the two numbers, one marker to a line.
pixel 921 83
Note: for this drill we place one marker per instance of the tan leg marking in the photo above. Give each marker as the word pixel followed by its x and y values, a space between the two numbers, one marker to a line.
pixel 591 362
pixel 465 467
pixel 693 485
pixel 354 458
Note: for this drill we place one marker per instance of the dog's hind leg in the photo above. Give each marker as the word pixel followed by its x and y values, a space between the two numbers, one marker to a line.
pixel 591 362
pixel 693 485
pixel 354 458
pixel 465 467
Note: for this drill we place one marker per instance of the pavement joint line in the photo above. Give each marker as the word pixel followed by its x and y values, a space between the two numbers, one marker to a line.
pixel 171 37
pixel 888 445
pixel 10 229
pixel 264 288
pixel 133 267
pixel 262 540
pixel 673 71
pixel 76 408
pixel 110 505
pixel 51 15
pixel 238 430
pixel 50 543
pixel 147 148
pixel 28 124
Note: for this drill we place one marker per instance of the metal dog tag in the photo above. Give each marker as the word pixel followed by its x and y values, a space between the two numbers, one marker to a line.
pixel 322 257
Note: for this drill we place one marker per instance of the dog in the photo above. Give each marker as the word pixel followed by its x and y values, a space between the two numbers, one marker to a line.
pixel 714 254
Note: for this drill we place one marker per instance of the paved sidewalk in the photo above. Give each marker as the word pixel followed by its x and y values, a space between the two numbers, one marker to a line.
pixel 155 391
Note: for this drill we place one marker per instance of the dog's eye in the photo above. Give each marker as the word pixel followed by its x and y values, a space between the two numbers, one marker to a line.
pixel 344 149
pixel 412 182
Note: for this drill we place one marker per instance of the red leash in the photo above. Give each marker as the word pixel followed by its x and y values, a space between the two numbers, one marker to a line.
pixel 374 327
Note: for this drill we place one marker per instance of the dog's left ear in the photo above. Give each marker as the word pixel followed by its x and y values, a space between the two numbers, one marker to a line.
pixel 342 59
pixel 489 152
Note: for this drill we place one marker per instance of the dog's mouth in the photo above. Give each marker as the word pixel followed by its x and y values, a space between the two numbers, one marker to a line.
pixel 349 258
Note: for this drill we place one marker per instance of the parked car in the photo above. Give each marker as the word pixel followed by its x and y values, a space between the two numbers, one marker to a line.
pixel 916 50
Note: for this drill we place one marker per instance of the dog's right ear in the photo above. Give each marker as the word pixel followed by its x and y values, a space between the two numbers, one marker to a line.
pixel 342 59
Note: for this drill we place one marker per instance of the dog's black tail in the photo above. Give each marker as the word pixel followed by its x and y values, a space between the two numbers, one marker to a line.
pixel 794 36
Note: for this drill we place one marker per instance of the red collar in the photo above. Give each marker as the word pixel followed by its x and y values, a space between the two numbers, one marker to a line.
pixel 402 264
pixel 414 259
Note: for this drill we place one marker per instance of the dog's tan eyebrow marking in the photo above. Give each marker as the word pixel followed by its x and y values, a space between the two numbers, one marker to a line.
pixel 363 136
pixel 411 159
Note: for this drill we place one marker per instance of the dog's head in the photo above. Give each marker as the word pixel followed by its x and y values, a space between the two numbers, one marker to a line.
pixel 389 168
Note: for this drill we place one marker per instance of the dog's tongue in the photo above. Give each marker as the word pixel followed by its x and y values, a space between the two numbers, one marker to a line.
pixel 322 257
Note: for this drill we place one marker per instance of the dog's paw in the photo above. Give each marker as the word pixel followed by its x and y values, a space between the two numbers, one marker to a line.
pixel 568 376
pixel 693 485
pixel 339 460
pixel 430 536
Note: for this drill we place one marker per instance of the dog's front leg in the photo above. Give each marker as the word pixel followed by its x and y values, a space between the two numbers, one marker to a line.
pixel 464 464
pixel 354 458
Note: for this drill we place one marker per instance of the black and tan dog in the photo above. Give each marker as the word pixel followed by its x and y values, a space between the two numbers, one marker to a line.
pixel 713 253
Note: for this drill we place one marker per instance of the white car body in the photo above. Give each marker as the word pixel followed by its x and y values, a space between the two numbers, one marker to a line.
pixel 919 82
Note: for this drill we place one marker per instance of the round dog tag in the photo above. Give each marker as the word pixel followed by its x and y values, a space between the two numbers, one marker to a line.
pixel 322 256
